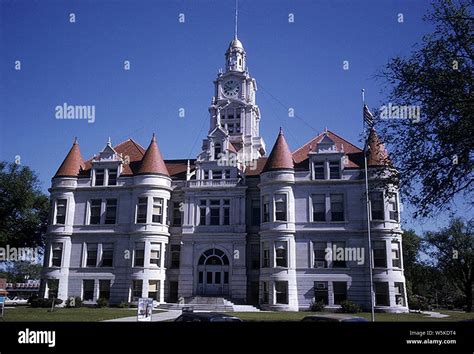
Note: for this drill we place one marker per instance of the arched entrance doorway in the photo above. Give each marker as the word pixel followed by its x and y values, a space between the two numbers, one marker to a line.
pixel 213 273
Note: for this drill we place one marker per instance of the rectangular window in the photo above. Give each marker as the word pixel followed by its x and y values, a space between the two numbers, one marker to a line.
pixel 214 212
pixel 99 177
pixel 95 206
pixel 381 294
pixel 399 294
pixel 254 256
pixel 319 250
pixel 177 214
pixel 379 254
pixel 281 292
pixel 91 257
pixel 226 174
pixel 139 259
pixel 265 255
pixel 281 253
pixel 157 210
pixel 255 212
pixel 280 207
pixel 340 251
pixel 321 292
pixel 60 212
pixel 216 174
pixel 142 207
pixel 226 209
pixel 107 255
pixel 337 207
pixel 104 289
pixel 376 205
pixel 111 211
pixel 396 261
pixel 393 208
pixel 237 127
pixel 319 207
pixel 88 290
pixel 334 170
pixel 155 254
pixel 175 254
pixel 57 254
pixel 319 170
pixel 206 174
pixel 53 286
pixel 201 277
pixel 202 212
pixel 266 208
pixel 154 289
pixel 265 293
pixel 112 178
pixel 137 288
pixel 340 291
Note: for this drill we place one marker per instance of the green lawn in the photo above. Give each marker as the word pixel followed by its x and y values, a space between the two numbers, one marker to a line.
pixel 83 314
pixel 379 317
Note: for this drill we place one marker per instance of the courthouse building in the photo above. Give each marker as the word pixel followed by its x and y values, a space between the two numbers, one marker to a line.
pixel 236 222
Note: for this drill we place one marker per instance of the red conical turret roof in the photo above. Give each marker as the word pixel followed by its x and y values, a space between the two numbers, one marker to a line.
pixel 378 155
pixel 72 164
pixel 152 162
pixel 280 157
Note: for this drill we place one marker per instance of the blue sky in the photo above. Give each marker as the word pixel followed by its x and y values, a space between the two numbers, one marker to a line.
pixel 173 64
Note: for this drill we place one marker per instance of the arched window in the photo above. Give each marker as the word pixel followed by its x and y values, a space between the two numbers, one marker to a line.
pixel 213 256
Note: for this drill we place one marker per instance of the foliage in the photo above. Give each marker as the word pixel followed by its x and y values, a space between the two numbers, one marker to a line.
pixel 433 154
pixel 350 307
pixel 36 302
pixel 74 304
pixel 102 302
pixel 316 306
pixel 18 272
pixel 23 207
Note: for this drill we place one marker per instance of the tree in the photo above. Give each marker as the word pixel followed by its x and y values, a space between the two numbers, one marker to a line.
pixel 18 272
pixel 452 252
pixel 23 207
pixel 434 152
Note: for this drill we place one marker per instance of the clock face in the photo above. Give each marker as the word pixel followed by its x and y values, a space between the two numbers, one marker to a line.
pixel 231 88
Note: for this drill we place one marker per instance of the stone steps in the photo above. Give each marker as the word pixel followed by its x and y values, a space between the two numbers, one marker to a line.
pixel 208 303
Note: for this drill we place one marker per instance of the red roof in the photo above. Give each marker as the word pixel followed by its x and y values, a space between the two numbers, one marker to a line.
pixel 378 155
pixel 280 157
pixel 152 162
pixel 72 164
pixel 353 153
pixel 258 168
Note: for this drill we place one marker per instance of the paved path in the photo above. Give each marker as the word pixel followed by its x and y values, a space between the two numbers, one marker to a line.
pixel 157 317
pixel 434 314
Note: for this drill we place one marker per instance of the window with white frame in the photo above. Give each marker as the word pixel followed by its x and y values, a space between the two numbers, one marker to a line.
pixel 319 252
pixel 226 212
pixel 379 252
pixel 335 170
pixel 381 294
pixel 111 211
pixel 202 212
pixel 340 291
pixel 107 259
pixel 281 292
pixel 337 207
pixel 142 209
pixel 265 255
pixel 91 254
pixel 217 151
pixel 155 254
pixel 396 261
pixel 60 212
pixel 319 207
pixel 266 208
pixel 280 207
pixel 281 254
pixel 139 257
pixel 56 254
pixel 157 216
pixel 137 288
pixel 112 177
pixel 175 255
pixel 95 206
pixel 377 206
pixel 177 214
pixel 214 212
pixel 104 289
pixel 88 290
pixel 154 289
pixel 321 292
pixel 340 247
pixel 319 170
pixel 99 177
pixel 399 294
pixel 265 292
pixel 393 208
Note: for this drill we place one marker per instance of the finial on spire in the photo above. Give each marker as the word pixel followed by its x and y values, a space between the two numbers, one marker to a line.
pixel 236 17
pixel 109 142
pixel 281 131
pixel 75 140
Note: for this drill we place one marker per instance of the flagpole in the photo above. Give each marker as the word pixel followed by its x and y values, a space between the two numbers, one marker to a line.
pixel 368 211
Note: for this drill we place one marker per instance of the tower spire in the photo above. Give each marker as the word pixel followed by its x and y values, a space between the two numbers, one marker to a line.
pixel 236 17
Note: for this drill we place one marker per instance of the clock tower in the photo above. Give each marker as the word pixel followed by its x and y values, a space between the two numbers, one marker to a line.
pixel 234 111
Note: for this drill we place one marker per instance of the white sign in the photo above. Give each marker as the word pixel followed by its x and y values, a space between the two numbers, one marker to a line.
pixel 145 309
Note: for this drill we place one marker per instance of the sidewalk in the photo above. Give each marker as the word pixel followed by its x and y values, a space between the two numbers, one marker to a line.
pixel 157 317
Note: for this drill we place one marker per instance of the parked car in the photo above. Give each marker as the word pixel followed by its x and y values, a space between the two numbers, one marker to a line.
pixel 206 317
pixel 333 318
pixel 15 301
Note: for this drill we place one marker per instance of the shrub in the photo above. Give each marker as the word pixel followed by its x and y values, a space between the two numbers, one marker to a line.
pixel 417 302
pixel 102 302
pixel 125 305
pixel 38 302
pixel 72 304
pixel 317 306
pixel 350 307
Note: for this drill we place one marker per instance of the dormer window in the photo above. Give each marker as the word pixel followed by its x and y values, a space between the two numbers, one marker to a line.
pixel 112 178
pixel 319 170
pixel 99 177
pixel 217 151
pixel 334 170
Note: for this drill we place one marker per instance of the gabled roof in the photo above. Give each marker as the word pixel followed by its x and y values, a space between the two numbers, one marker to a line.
pixel 354 154
pixel 152 162
pixel 280 158
pixel 378 155
pixel 72 164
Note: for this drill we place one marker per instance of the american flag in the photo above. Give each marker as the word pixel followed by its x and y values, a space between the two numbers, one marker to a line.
pixel 368 117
